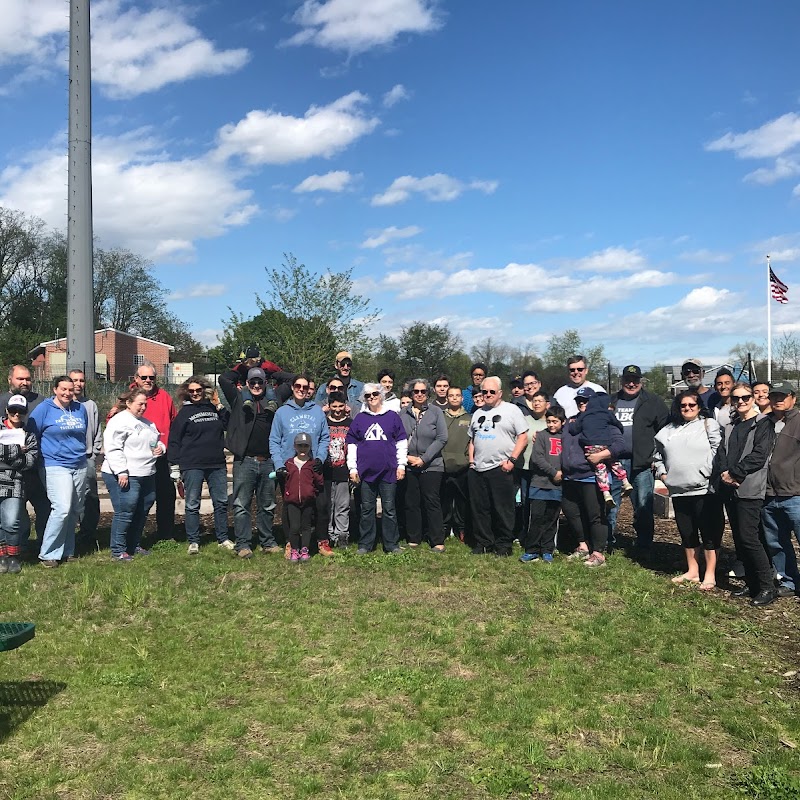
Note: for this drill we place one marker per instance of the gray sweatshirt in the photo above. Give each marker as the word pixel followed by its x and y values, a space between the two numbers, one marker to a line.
pixel 427 435
pixel 685 453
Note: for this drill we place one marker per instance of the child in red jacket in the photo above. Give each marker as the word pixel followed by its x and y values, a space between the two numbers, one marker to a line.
pixel 299 497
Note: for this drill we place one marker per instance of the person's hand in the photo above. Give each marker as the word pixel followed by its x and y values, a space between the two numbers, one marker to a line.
pixel 595 458
pixel 159 450
pixel 325 408
pixel 401 473
pixel 415 461
pixel 662 477
pixel 354 477
pixel 215 397
pixel 122 480
pixel 558 477
pixel 317 466
pixel 281 473
pixel 507 465
pixel 174 472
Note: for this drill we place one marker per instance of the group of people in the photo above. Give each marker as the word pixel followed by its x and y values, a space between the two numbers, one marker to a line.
pixel 442 460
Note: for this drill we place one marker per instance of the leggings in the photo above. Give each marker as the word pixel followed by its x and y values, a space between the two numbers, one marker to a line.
pixel 583 507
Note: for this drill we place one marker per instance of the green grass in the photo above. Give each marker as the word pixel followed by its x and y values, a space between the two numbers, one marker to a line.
pixel 415 676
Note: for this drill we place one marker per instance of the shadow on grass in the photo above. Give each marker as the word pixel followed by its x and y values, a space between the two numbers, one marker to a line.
pixel 20 699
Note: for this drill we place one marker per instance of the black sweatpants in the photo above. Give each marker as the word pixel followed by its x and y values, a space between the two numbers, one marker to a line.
pixel 491 499
pixel 455 502
pixel 300 521
pixel 424 507
pixel 542 526
pixel 745 516
pixel 583 506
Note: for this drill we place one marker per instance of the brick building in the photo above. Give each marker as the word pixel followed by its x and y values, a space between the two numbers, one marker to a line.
pixel 117 355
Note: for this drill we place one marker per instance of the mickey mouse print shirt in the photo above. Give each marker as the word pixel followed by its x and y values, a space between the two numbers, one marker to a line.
pixel 494 433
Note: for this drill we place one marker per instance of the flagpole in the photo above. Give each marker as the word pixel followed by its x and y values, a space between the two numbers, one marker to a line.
pixel 769 324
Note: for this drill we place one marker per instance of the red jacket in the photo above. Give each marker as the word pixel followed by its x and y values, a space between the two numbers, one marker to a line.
pixel 302 485
pixel 160 411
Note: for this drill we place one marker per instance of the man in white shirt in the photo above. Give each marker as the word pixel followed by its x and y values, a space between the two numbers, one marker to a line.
pixel 578 374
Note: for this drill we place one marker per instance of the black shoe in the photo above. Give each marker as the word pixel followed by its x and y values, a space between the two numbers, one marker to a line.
pixel 764 597
pixel 781 591
pixel 478 551
pixel 743 592
pixel 3 565
pixel 14 565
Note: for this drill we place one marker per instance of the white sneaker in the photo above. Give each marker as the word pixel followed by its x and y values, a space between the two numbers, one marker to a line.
pixel 194 549
pixel 227 544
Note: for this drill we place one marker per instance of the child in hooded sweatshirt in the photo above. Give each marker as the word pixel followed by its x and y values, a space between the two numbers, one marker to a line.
pixel 300 492
pixel 544 493
pixel 593 428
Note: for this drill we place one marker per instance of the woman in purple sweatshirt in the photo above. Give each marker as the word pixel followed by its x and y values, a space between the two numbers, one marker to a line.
pixel 377 449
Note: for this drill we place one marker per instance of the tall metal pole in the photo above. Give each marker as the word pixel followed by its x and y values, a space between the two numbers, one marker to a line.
pixel 80 269
pixel 769 324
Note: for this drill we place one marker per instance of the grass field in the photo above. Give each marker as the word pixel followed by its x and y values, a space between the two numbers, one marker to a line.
pixel 413 676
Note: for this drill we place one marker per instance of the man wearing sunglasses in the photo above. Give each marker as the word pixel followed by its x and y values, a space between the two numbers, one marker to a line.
pixel 352 387
pixel 692 374
pixel 578 374
pixel 498 434
pixel 247 437
pixel 301 415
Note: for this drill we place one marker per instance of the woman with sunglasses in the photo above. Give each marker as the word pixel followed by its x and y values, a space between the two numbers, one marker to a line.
pixel 740 476
pixel 196 453
pixel 684 455
pixel 377 449
pixel 132 447
pixel 426 430
pixel 15 458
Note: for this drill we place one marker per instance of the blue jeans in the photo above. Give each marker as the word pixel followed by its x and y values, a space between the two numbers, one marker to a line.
pixel 780 516
pixel 217 480
pixel 250 477
pixel 66 490
pixel 642 500
pixel 10 520
pixel 368 529
pixel 131 507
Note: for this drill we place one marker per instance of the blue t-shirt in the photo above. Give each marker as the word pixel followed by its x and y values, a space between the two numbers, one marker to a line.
pixel 61 433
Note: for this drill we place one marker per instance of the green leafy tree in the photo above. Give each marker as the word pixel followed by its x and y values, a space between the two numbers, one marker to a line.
pixel 427 349
pixel 559 348
pixel 657 381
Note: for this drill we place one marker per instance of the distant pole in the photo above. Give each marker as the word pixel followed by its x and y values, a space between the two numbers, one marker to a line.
pixel 80 271
pixel 769 324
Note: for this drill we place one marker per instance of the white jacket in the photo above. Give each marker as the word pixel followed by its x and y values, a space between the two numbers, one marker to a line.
pixel 128 445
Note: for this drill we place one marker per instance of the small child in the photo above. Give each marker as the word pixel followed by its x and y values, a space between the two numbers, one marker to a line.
pixel 335 472
pixel 300 496
pixel 544 493
pixel 593 427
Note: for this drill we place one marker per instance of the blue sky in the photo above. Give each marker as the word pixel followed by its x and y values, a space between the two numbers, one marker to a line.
pixel 620 168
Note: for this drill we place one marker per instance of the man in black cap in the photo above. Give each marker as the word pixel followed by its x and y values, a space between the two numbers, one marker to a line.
pixel 642 415
pixel 781 512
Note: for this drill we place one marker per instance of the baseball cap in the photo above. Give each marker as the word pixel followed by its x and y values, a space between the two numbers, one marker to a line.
pixel 17 401
pixel 695 362
pixel 631 372
pixel 302 438
pixel 344 354
pixel 585 393
pixel 256 372
pixel 779 387
pixel 252 352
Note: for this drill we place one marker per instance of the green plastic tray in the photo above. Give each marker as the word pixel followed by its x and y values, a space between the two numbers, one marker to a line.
pixel 15 634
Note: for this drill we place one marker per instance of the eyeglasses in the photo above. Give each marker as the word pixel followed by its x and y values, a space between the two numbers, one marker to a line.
pixel 691 371
pixel 21 412
pixel 370 395
pixel 741 398
pixel 419 391
pixel 532 384
pixel 577 369
pixel 334 388
pixel 195 391
pixel 688 405
pixel 303 386
pixel 488 391
pixel 147 377
pixel 346 362
pixel 255 382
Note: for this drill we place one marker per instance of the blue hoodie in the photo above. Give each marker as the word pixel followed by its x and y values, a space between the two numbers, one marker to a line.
pixel 61 433
pixel 291 419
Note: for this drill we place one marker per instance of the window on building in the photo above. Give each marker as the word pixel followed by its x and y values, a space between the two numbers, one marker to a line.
pixel 138 360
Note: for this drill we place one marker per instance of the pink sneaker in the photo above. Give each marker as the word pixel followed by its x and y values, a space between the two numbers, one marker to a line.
pixel 294 555
pixel 304 556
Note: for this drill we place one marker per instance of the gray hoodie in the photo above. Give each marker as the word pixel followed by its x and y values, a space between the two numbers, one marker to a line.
pixel 686 453
pixel 427 435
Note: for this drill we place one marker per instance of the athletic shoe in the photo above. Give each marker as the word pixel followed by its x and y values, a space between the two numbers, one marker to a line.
pixel 245 552
pixel 304 554
pixel 526 558
pixel 609 500
pixel 140 551
pixel 362 551
pixel 547 558
pixel 782 591
pixel 324 548
pixel 275 548
pixel 193 549
pixel 3 565
pixel 226 544
pixel 122 558
pixel 578 555
pixel 595 561
pixel 14 565
pixel 627 488
pixel 764 597
pixel 294 555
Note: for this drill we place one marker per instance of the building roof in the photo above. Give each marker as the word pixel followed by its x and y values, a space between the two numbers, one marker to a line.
pixel 112 330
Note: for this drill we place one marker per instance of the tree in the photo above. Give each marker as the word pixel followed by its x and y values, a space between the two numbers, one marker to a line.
pixel 656 381
pixel 426 350
pixel 560 347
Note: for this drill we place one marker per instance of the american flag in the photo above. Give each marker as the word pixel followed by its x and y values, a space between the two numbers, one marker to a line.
pixel 778 287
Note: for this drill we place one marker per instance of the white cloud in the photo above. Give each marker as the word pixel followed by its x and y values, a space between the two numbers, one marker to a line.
pixel 280 214
pixel 143 199
pixel 437 188
pixel 704 256
pixel 199 290
pixel 269 137
pixel 423 258
pixel 781 248
pixel 784 168
pixel 133 51
pixel 612 259
pixel 329 182
pixel 356 26
pixel 770 140
pixel 395 95
pixel 209 337
pixel 390 234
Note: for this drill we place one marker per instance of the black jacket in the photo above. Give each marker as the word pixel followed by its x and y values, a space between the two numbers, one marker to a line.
pixel 650 415
pixel 242 419
pixel 197 436
pixel 744 453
